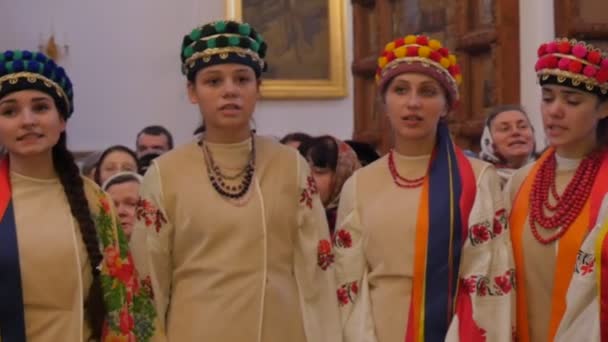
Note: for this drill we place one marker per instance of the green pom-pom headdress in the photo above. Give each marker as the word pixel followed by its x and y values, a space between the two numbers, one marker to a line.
pixel 223 42
pixel 23 70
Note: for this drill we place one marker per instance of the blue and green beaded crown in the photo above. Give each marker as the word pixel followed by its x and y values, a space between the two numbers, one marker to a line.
pixel 225 41
pixel 22 70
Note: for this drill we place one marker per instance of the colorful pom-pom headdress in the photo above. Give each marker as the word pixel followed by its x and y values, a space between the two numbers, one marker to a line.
pixel 419 54
pixel 574 64
pixel 220 42
pixel 23 70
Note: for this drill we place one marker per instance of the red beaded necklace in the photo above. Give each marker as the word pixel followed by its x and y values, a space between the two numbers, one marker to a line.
pixel 399 180
pixel 568 205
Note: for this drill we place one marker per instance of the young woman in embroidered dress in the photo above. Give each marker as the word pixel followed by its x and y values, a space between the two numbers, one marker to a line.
pixel 422 252
pixel 556 200
pixel 237 241
pixel 60 244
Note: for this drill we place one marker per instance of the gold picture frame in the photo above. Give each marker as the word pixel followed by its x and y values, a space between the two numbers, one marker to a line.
pixel 330 81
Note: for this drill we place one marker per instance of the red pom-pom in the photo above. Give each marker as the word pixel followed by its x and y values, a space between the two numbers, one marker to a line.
pixel 542 50
pixel 540 64
pixel 399 42
pixel 456 69
pixel 422 40
pixel 552 47
pixel 436 56
pixel 552 62
pixel 589 71
pixel 412 51
pixel 390 56
pixel 604 63
pixel 575 66
pixel 602 75
pixel 563 64
pixel 594 57
pixel 564 47
pixel 444 52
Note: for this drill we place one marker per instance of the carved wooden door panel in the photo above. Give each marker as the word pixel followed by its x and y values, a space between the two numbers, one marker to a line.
pixel 483 33
pixel 584 20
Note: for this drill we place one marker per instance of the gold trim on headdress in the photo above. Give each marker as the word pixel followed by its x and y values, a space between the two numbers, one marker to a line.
pixel 576 79
pixel 223 52
pixel 420 60
pixel 32 78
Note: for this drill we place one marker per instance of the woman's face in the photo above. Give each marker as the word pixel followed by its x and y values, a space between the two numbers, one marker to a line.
pixel 115 162
pixel 125 196
pixel 30 123
pixel 512 135
pixel 226 95
pixel 325 179
pixel 414 104
pixel 570 119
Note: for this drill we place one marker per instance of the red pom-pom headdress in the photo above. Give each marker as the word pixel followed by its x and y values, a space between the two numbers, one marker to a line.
pixel 573 63
pixel 420 54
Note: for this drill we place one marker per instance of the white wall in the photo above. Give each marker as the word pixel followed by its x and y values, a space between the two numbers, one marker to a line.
pixel 536 27
pixel 124 62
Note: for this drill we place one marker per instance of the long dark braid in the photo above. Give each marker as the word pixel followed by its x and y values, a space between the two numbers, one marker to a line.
pixel 68 173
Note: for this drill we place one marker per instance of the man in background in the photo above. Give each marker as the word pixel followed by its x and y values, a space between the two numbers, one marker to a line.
pixel 151 142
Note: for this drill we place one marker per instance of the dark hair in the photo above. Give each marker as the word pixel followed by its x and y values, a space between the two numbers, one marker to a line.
pixel 120 180
pixel 366 153
pixel 120 148
pixel 296 136
pixel 602 125
pixel 145 161
pixel 321 152
pixel 496 110
pixel 156 130
pixel 73 186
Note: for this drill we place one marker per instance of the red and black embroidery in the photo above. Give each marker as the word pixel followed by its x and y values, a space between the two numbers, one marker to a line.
pixel 347 293
pixel 325 256
pixel 585 263
pixel 482 285
pixel 343 239
pixel 308 193
pixel 150 214
pixel 486 231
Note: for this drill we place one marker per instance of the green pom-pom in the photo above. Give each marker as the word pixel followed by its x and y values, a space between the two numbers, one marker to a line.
pixel 62 83
pixel 40 68
pixel 211 43
pixel 17 55
pixel 233 41
pixel 220 26
pixel 244 29
pixel 9 67
pixel 188 51
pixel 2 58
pixel 255 46
pixel 195 34
pixel 259 38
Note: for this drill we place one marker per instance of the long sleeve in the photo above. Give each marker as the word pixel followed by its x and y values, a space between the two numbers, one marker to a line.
pixel 151 243
pixel 351 270
pixel 313 264
pixel 485 307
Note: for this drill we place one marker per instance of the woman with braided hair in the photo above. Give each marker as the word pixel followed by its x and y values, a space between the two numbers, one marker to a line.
pixel 65 271
pixel 236 239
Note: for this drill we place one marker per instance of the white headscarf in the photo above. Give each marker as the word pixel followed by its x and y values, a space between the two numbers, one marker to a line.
pixel 108 181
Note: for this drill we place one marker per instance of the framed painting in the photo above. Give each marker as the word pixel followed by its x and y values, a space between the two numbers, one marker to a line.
pixel 305 45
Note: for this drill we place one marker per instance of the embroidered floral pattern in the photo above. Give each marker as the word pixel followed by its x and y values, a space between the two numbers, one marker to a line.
pixel 347 293
pixel 325 257
pixel 585 263
pixel 130 309
pixel 148 213
pixel 343 239
pixel 486 231
pixel 482 285
pixel 308 193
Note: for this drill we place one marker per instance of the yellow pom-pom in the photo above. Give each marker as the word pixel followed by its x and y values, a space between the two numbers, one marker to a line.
pixel 458 79
pixel 400 52
pixel 445 62
pixel 409 39
pixel 382 62
pixel 435 44
pixel 453 59
pixel 424 51
pixel 390 46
